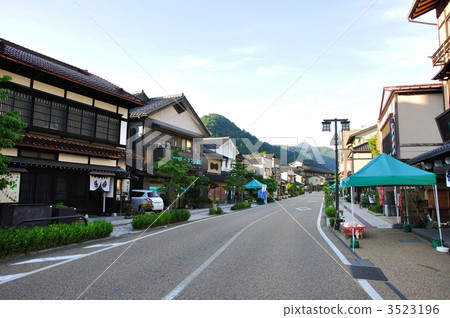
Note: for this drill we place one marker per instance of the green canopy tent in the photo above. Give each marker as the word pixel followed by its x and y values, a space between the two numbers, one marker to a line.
pixel 333 186
pixel 254 184
pixel 385 170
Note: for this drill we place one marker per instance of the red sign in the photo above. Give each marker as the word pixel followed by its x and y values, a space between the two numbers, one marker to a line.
pixel 381 195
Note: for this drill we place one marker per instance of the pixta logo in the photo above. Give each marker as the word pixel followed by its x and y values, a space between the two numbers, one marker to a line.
pixel 145 148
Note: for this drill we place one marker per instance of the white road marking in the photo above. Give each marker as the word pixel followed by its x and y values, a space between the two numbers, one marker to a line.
pixel 303 208
pixel 50 259
pixel 364 283
pixel 8 278
pixel 178 289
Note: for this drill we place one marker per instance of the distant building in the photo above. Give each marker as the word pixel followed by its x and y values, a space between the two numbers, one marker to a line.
pixel 159 127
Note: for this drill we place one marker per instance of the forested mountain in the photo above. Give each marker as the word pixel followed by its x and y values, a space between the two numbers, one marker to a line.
pixel 220 126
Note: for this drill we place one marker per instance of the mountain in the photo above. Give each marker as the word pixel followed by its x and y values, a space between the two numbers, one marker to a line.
pixel 220 126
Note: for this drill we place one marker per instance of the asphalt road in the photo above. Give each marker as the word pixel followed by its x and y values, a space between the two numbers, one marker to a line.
pixel 266 252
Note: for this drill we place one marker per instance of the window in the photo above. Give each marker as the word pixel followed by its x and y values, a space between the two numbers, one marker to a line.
pixel 18 101
pixel 107 128
pixel 74 120
pixel 42 110
pixel 88 124
pixel 58 116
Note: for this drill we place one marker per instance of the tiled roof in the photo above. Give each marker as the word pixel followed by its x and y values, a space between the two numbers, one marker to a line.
pixel 154 104
pixel 68 146
pixel 19 54
pixel 362 148
pixel 440 151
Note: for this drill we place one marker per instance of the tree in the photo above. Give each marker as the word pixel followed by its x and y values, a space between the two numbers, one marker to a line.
pixel 372 141
pixel 174 175
pixel 10 125
pixel 271 183
pixel 237 179
pixel 196 193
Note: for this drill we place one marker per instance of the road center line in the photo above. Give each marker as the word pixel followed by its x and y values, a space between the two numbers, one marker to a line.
pixel 174 293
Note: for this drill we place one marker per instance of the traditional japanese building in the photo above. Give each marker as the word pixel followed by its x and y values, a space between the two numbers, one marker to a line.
pixel 74 148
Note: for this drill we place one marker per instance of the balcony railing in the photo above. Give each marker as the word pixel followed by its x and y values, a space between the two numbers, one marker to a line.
pixel 438 57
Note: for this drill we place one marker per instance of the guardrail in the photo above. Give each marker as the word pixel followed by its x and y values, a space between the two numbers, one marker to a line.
pixel 55 218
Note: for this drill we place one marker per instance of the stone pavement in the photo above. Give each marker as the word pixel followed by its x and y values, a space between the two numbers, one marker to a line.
pixel 413 268
pixel 371 220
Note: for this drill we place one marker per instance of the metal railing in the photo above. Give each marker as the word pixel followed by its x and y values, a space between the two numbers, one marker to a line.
pixel 55 218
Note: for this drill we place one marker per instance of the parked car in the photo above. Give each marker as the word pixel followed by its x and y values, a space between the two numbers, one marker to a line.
pixel 140 197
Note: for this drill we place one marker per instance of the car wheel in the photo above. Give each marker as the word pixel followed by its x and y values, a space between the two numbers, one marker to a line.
pixel 141 209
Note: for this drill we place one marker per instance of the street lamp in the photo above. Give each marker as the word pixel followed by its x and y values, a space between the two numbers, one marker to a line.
pixel 326 126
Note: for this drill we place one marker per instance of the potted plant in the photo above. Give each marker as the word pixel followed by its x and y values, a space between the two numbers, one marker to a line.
pixel 215 204
pixel 60 209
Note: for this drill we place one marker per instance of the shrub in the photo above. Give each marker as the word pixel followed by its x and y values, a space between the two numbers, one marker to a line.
pixel 241 205
pixel 330 211
pixel 375 208
pixel 270 200
pixel 331 221
pixel 259 201
pixel 214 212
pixel 129 211
pixel 28 239
pixel 143 221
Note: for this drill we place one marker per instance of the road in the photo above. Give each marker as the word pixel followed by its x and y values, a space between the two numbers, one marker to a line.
pixel 265 252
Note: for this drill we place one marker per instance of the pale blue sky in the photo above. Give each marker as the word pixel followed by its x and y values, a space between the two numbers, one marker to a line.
pixel 240 58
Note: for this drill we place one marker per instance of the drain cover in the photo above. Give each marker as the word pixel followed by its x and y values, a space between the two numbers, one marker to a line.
pixel 410 241
pixel 366 272
pixel 360 261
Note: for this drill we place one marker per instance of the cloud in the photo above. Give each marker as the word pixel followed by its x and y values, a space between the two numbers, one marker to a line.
pixel 272 70
pixel 192 62
pixel 249 50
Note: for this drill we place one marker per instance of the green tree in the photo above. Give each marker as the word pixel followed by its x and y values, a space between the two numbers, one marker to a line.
pixel 271 183
pixel 174 175
pixel 196 193
pixel 372 141
pixel 10 125
pixel 237 179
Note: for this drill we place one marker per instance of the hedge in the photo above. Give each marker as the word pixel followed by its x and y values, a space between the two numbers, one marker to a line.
pixel 29 239
pixel 143 221
pixel 241 205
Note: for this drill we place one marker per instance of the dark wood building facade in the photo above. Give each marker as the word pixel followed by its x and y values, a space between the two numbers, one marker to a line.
pixel 74 148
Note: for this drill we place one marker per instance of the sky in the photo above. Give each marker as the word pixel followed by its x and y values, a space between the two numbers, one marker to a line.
pixel 274 68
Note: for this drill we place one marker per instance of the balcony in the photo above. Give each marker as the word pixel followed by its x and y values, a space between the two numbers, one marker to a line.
pixel 439 57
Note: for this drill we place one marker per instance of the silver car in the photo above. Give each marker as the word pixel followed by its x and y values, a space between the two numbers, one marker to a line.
pixel 141 198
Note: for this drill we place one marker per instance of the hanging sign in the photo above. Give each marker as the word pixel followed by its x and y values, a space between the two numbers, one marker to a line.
pixel 381 195
pixel 447 177
pixel 99 182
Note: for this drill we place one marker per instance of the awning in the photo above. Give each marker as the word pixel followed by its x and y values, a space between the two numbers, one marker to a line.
pixel 31 162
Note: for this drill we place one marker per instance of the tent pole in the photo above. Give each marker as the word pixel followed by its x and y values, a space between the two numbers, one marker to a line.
pixel 396 202
pixel 353 219
pixel 438 214
pixel 406 205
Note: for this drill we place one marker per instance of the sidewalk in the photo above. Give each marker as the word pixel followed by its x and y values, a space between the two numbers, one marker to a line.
pixel 412 267
pixel 372 220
